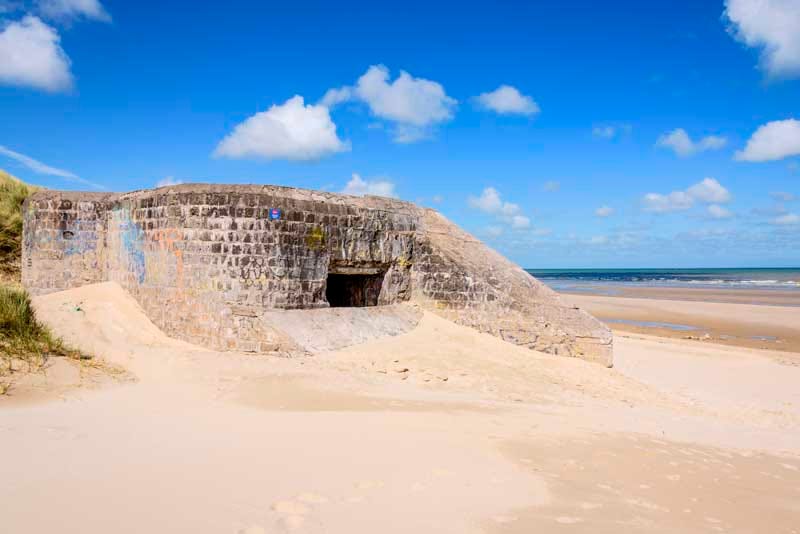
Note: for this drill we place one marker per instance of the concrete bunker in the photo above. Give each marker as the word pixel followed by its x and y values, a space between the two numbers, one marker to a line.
pixel 225 266
pixel 354 287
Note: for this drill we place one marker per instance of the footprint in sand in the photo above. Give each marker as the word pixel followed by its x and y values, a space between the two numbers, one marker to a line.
pixel 290 508
pixel 312 498
pixel 292 512
pixel 369 484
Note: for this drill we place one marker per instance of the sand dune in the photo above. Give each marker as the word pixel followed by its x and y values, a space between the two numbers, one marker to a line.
pixel 439 429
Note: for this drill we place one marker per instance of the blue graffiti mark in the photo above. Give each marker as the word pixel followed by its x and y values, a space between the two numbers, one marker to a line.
pixel 131 237
pixel 79 242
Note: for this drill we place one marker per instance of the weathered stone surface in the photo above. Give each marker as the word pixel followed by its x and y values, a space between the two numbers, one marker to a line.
pixel 206 262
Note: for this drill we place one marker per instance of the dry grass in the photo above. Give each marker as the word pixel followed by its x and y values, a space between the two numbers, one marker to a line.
pixel 25 343
pixel 12 193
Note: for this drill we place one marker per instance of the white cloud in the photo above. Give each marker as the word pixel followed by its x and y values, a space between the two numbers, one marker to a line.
pixel 551 186
pixel 604 211
pixel 31 56
pixel 772 141
pixel 679 141
pixel 718 212
pixel 291 130
pixel 520 222
pixel 360 187
pixel 709 190
pixel 72 9
pixel 507 100
pixel 772 26
pixel 787 219
pixel 605 132
pixel 413 104
pixel 334 97
pixel 437 199
pixel 675 201
pixel 167 181
pixel 42 168
pixel 490 202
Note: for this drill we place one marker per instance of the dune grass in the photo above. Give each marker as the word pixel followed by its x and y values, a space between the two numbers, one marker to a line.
pixel 13 192
pixel 25 343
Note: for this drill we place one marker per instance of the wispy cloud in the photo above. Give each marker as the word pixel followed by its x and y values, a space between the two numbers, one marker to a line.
pixel 551 186
pixel 708 191
pixel 679 142
pixel 42 168
pixel 490 202
pixel 380 187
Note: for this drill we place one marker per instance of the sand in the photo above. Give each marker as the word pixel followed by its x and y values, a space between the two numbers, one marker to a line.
pixel 763 326
pixel 440 429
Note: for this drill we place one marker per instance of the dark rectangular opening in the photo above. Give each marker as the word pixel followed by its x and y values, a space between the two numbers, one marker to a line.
pixel 353 290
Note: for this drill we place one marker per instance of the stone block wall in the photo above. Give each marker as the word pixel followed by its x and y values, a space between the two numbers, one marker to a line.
pixel 207 261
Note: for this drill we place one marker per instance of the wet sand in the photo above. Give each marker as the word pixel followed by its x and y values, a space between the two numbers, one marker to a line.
pixel 706 315
pixel 441 429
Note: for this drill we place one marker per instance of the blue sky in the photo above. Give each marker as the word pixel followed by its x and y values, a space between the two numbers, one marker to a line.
pixel 564 134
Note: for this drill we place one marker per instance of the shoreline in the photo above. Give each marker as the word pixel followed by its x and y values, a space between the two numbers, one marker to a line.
pixel 744 318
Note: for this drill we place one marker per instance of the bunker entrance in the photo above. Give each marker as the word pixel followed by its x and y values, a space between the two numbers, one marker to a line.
pixel 353 288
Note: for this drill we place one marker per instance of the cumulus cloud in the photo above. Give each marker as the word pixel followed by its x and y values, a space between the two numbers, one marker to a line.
pixel 72 9
pixel 292 131
pixel 42 168
pixel 772 141
pixel 507 100
pixel 718 212
pixel 787 219
pixel 679 142
pixel 167 181
pixel 414 105
pixel 551 186
pixel 772 26
pixel 360 187
pixel 31 56
pixel 604 211
pixel 490 202
pixel 675 201
pixel 707 191
pixel 520 222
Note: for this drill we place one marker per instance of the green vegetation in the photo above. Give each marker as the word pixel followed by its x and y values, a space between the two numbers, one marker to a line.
pixel 12 193
pixel 25 344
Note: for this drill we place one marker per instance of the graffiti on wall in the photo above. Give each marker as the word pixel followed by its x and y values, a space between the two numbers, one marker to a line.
pixel 131 236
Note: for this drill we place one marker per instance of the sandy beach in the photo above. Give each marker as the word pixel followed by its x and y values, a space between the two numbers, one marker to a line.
pixel 743 318
pixel 441 429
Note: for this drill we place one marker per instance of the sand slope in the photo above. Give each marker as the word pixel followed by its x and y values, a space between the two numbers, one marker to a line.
pixel 440 429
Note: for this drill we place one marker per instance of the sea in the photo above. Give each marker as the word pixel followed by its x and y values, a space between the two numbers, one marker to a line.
pixel 590 279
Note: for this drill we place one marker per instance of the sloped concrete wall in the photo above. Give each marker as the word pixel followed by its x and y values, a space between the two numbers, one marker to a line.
pixel 207 262
pixel 458 277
